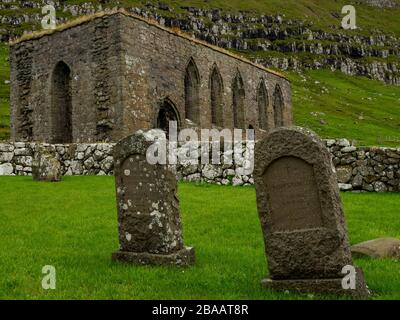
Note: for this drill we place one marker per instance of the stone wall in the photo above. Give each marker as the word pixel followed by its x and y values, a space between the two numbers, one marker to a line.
pixel 109 75
pixel 76 159
pixel 282 42
pixel 365 168
pixel 358 168
pixel 81 57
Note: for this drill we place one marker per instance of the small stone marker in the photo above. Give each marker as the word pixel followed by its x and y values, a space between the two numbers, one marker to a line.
pixel 45 165
pixel 301 215
pixel 150 229
pixel 378 248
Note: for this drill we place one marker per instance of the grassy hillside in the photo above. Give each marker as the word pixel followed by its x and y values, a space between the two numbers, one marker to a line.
pixel 335 105
pixel 323 14
pixel 331 103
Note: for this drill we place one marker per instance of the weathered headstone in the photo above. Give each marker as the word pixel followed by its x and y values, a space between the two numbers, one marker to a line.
pixel 301 214
pixel 45 165
pixel 150 229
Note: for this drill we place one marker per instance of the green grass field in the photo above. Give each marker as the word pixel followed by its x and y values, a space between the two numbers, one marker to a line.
pixel 72 225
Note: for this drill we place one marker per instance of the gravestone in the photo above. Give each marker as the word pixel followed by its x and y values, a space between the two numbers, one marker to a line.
pixel 45 165
pixel 301 214
pixel 149 222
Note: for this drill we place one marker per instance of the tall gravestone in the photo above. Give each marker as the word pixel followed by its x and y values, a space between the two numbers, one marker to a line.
pixel 149 222
pixel 301 215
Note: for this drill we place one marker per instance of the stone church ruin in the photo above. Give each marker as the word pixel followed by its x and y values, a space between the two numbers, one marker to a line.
pixel 103 77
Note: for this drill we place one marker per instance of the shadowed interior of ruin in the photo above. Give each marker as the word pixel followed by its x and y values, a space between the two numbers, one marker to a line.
pixel 216 97
pixel 238 101
pixel 166 114
pixel 192 84
pixel 262 101
pixel 61 105
pixel 278 105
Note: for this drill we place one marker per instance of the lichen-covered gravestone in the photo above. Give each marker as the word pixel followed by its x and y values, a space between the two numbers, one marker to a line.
pixel 45 165
pixel 149 222
pixel 301 215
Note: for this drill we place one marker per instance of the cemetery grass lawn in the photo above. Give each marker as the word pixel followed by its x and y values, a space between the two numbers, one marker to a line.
pixel 72 225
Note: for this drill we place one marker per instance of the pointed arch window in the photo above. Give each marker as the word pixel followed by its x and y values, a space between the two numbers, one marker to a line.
pixel 192 87
pixel 238 96
pixel 263 102
pixel 216 87
pixel 278 106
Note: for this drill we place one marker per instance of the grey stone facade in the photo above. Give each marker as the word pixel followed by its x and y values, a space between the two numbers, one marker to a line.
pixel 107 76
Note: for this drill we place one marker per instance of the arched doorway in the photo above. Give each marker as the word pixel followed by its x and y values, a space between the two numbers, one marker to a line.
pixel 61 104
pixel 166 113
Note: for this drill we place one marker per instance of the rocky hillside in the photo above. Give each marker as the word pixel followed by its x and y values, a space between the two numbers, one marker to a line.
pixel 333 104
pixel 294 35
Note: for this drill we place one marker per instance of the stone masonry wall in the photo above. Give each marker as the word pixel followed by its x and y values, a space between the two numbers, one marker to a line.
pixel 278 41
pixel 86 52
pixel 118 71
pixel 358 168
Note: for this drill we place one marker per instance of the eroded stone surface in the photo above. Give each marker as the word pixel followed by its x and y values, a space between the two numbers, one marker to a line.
pixel 148 205
pixel 45 166
pixel 299 207
pixel 378 248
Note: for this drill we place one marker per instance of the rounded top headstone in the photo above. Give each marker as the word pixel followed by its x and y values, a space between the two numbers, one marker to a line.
pixel 299 205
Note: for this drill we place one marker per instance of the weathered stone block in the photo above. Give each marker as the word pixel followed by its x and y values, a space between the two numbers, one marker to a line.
pixel 6 169
pixel 344 173
pixel 150 229
pixel 45 166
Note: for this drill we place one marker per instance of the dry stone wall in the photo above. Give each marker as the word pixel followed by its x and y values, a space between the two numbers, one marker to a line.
pixel 370 169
